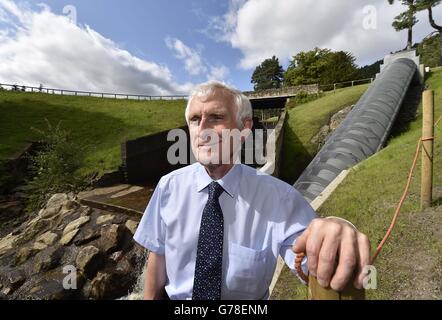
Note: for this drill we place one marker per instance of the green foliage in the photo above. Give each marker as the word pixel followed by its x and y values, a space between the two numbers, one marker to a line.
pixel 321 66
pixel 268 75
pixel 303 97
pixel 406 20
pixel 426 4
pixel 368 71
pixel 54 167
pixel 429 51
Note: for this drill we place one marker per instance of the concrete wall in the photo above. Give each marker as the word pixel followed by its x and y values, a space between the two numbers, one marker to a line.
pixel 273 148
pixel 145 159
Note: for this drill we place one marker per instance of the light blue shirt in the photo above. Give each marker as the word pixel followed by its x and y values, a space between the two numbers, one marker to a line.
pixel 263 216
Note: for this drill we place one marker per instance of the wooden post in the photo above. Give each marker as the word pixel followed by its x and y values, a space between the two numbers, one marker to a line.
pixel 316 292
pixel 427 148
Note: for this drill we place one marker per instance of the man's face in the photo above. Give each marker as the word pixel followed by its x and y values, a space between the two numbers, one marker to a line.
pixel 208 118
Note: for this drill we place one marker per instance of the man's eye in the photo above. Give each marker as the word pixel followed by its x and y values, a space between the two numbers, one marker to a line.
pixel 194 119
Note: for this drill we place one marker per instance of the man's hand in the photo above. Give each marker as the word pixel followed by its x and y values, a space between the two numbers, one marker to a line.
pixel 336 252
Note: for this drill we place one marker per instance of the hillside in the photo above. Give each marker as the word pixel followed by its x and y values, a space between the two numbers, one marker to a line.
pixel 304 122
pixel 100 125
pixel 410 264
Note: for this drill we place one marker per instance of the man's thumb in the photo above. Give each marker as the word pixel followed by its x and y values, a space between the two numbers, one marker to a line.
pixel 300 243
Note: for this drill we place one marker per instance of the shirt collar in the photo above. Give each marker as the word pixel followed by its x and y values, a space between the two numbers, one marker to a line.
pixel 229 182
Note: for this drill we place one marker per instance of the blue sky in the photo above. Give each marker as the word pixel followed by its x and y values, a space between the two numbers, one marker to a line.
pixel 142 26
pixel 166 47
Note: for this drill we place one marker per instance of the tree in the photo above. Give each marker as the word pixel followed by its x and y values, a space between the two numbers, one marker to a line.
pixel 268 75
pixel 306 67
pixel 320 66
pixel 340 66
pixel 429 5
pixel 406 20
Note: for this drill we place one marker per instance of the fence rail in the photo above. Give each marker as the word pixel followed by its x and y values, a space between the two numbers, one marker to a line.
pixel 22 88
pixel 41 89
pixel 338 85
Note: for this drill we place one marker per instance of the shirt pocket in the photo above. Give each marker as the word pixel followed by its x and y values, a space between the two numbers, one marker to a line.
pixel 246 270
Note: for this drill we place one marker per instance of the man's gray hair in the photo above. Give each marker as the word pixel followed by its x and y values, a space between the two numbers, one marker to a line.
pixel 207 89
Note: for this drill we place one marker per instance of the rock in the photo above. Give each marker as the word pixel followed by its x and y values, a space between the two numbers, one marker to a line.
pixel 48 238
pixel 124 266
pixel 38 246
pixel 24 254
pixel 109 286
pixel 86 291
pixel 132 226
pixel 34 227
pixel 89 260
pixel 7 291
pixel 57 200
pixel 85 211
pixel 50 212
pixel 86 236
pixel 110 238
pixel 8 242
pixel 105 218
pixel 76 224
pixel 119 219
pixel 16 278
pixel 67 238
pixel 117 256
pixel 55 285
pixel 338 117
pixel 47 260
pixel 65 213
pixel 69 205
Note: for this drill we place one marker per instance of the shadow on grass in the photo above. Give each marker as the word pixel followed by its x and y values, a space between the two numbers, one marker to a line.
pixel 295 157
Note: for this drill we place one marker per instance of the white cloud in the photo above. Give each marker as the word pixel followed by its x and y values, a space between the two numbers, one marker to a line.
pixel 42 47
pixel 192 59
pixel 262 28
pixel 218 72
pixel 194 64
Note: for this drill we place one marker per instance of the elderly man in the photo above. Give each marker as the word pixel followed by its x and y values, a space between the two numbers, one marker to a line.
pixel 215 228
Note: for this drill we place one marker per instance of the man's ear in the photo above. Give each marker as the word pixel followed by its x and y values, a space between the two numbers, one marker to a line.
pixel 248 124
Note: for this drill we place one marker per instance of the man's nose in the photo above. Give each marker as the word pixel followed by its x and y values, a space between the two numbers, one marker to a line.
pixel 204 124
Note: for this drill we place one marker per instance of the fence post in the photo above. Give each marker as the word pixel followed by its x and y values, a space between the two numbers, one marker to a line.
pixel 352 83
pixel 427 148
pixel 316 292
pixel 334 87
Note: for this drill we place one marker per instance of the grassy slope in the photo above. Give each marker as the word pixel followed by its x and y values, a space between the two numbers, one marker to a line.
pixel 304 121
pixel 368 198
pixel 101 124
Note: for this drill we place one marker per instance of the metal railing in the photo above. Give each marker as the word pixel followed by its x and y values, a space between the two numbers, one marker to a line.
pixel 41 89
pixel 338 85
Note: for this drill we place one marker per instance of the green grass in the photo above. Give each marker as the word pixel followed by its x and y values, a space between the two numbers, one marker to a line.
pixel 99 124
pixel 304 122
pixel 369 195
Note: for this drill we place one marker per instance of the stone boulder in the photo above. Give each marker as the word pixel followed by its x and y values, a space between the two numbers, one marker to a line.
pixel 111 236
pixel 89 260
